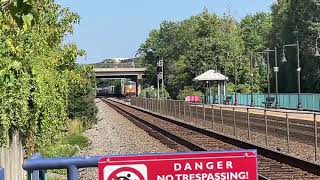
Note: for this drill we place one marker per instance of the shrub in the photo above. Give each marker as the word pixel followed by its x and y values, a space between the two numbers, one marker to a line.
pixel 153 93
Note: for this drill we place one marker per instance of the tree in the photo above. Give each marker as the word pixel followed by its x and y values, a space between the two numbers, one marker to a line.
pixel 303 17
pixel 37 71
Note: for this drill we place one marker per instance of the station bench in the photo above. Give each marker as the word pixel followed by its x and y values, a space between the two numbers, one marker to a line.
pixel 268 103
pixel 228 100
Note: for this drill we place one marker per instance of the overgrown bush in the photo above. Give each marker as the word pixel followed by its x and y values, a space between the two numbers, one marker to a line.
pixel 82 94
pixel 39 79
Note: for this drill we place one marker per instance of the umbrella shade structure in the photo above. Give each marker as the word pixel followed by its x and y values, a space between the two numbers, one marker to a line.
pixel 213 76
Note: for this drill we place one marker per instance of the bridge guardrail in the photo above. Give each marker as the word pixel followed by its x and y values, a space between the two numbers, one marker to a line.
pixel 118 65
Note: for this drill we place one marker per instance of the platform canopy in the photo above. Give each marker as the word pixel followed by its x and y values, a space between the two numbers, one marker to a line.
pixel 211 75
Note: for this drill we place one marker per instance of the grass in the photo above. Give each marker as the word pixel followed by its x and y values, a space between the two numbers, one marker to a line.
pixel 71 143
pixel 76 140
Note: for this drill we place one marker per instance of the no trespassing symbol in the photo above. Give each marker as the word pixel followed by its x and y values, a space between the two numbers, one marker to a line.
pixel 236 165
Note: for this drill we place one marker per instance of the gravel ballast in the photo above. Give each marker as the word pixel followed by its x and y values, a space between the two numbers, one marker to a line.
pixel 114 134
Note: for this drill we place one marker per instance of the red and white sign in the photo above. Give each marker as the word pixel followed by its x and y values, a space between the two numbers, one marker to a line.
pixel 234 165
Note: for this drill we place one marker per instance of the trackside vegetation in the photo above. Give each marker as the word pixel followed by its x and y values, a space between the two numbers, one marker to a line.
pixel 42 88
pixel 208 41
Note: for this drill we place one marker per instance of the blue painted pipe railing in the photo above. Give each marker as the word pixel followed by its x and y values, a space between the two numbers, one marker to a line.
pixel 37 166
pixel 1 173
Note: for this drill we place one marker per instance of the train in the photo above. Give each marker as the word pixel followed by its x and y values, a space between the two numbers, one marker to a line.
pixel 127 89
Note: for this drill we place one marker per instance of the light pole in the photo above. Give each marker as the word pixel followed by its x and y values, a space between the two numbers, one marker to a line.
pixel 251 73
pixel 317 53
pixel 276 70
pixel 251 79
pixel 284 59
pixel 225 77
pixel 236 103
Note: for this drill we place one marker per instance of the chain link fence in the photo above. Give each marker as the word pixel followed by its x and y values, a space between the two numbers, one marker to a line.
pixel 292 132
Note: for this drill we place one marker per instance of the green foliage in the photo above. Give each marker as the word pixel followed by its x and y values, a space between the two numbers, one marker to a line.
pixel 39 77
pixel 82 94
pixel 60 150
pixel 303 17
pixel 101 83
pixel 190 47
pixel 188 91
pixel 77 140
pixel 153 93
pixel 207 41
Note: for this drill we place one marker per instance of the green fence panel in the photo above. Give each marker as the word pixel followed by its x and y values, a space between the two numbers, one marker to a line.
pixel 309 101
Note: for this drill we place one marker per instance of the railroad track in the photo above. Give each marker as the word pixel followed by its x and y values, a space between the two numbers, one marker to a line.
pixel 185 137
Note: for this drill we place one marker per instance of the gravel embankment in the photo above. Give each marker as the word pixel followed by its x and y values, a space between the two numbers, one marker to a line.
pixel 114 134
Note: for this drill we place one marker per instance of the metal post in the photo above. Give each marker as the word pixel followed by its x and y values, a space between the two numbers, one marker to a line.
pixel 315 138
pixel 212 116
pixel 197 120
pixel 166 107
pixel 225 80
pixel 170 107
pixel 204 114
pixel 190 115
pixel 73 173
pixel 299 78
pixel 1 173
pixel 221 117
pixel 43 175
pixel 174 108
pixel 152 105
pixel 299 107
pixel 184 110
pixel 179 102
pixel 276 70
pixel 162 80
pixel 288 133
pixel 251 79
pixel 35 175
pixel 248 121
pixel 235 84
pixel 268 72
pixel 234 122
pixel 158 86
pixel 266 127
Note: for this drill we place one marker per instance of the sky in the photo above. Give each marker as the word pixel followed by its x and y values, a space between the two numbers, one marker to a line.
pixel 116 28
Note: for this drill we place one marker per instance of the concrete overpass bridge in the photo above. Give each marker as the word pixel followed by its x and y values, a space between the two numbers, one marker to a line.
pixel 133 73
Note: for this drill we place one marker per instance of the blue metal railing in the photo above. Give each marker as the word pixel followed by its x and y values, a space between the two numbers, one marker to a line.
pixel 37 166
pixel 1 173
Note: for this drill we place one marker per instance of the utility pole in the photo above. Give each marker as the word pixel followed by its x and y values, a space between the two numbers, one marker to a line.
pixel 160 77
pixel 276 70
pixel 236 103
pixel 284 59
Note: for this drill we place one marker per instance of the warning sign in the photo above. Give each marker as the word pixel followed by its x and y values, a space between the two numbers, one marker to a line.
pixel 235 165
